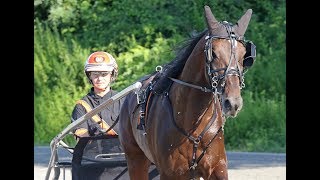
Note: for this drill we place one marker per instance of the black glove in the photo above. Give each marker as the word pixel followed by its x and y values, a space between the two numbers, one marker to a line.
pixel 94 129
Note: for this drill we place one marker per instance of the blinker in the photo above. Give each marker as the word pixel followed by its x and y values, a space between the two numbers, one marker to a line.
pixel 250 55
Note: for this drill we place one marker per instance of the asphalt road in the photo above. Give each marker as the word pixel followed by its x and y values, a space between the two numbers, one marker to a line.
pixel 242 166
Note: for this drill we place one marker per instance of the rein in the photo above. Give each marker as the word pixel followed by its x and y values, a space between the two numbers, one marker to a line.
pixel 204 89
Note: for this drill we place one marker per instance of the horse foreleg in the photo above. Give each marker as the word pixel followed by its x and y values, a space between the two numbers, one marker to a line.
pixel 138 166
pixel 221 171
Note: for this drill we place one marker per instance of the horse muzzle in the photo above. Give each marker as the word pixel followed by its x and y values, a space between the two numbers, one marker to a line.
pixel 231 106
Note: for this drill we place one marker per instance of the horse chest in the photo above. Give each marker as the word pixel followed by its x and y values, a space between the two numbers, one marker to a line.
pixel 178 163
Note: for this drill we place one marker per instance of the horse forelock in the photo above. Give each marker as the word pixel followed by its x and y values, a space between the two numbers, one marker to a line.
pixel 221 30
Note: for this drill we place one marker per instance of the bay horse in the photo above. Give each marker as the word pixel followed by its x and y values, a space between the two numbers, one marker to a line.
pixel 176 119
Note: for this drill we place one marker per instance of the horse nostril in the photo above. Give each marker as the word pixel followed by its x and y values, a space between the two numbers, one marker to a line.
pixel 227 104
pixel 236 107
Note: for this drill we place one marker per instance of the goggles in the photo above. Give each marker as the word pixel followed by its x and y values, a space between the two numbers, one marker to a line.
pixel 98 74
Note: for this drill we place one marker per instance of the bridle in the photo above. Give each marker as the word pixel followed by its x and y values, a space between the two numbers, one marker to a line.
pixel 229 70
pixel 212 74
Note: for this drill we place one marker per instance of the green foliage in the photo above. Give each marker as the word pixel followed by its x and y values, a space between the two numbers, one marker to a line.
pixel 269 71
pixel 101 23
pixel 139 60
pixel 260 126
pixel 58 81
pixel 142 35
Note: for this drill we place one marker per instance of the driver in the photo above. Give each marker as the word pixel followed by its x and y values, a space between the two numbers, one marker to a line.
pixel 101 70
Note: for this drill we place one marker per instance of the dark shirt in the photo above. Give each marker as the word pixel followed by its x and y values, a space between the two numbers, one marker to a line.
pixel 109 114
pixel 89 147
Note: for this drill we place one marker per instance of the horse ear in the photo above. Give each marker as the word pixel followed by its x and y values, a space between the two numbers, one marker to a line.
pixel 243 22
pixel 210 19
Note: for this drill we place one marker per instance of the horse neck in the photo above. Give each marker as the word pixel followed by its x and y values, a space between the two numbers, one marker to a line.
pixel 193 107
pixel 192 110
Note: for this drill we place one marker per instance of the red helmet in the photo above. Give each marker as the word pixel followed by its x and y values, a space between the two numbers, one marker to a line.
pixel 101 61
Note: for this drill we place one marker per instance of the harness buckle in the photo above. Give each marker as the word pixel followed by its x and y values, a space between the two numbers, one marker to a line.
pixel 193 167
pixel 141 96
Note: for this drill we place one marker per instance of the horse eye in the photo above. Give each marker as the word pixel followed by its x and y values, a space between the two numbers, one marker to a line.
pixel 214 56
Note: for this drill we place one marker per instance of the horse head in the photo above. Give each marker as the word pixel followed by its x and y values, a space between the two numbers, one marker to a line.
pixel 227 56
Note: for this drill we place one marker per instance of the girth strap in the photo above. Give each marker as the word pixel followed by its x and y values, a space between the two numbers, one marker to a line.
pixel 144 109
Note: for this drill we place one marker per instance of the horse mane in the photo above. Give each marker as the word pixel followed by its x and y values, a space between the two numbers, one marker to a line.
pixel 175 67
